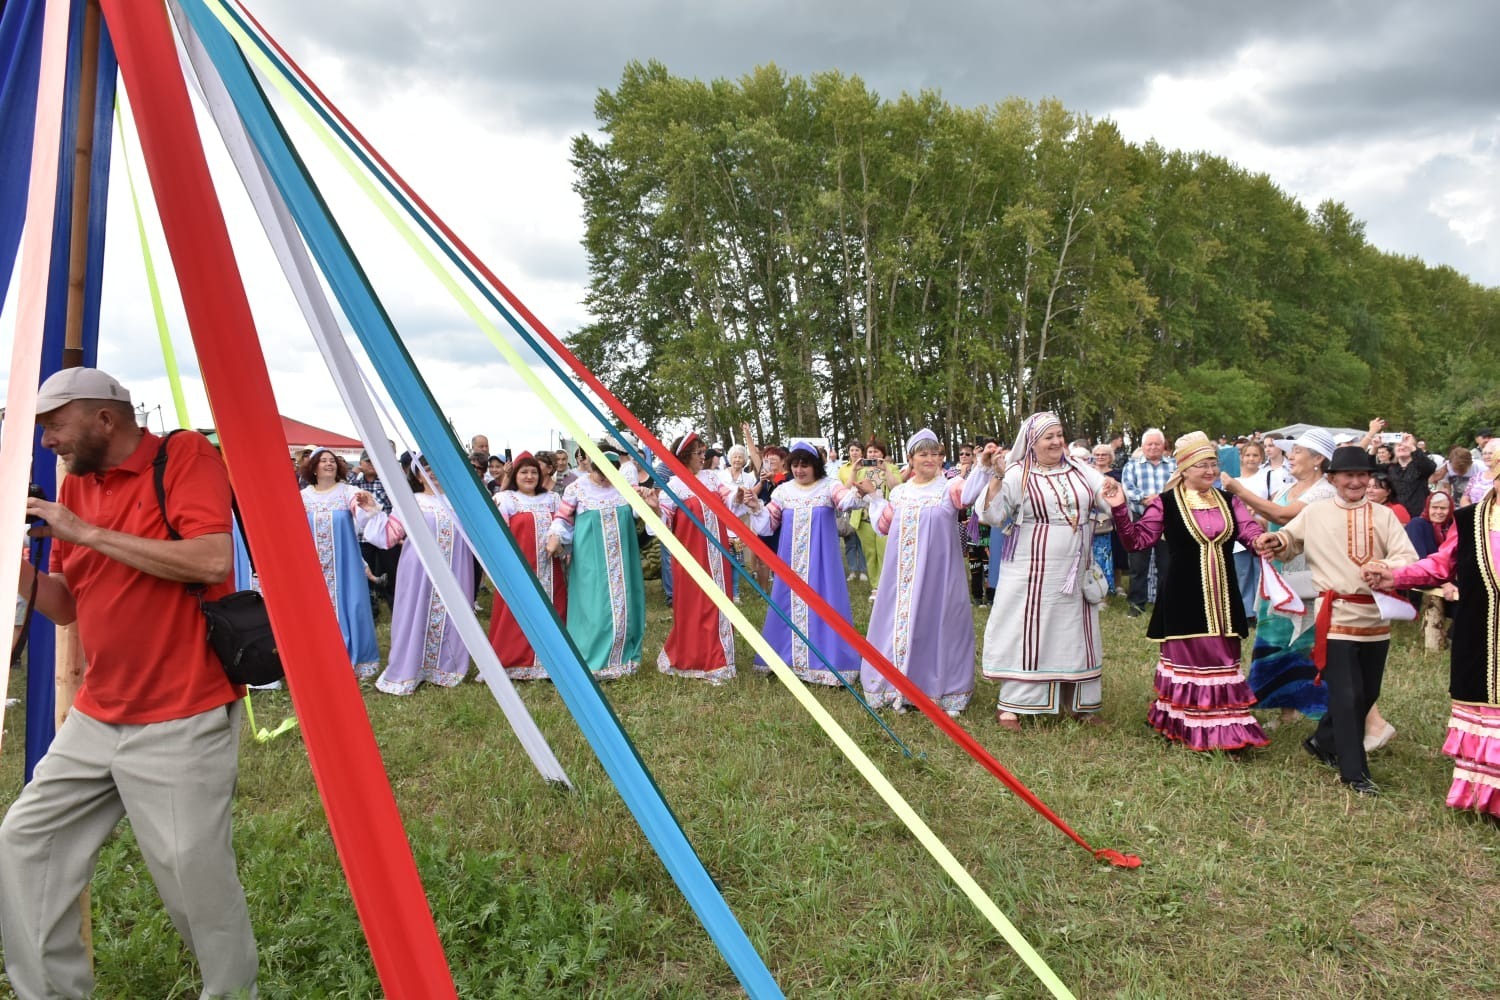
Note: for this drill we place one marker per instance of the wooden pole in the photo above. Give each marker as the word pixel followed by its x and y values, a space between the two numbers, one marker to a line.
pixel 69 658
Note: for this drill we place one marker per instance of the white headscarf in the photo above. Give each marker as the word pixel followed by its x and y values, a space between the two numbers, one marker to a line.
pixel 1023 452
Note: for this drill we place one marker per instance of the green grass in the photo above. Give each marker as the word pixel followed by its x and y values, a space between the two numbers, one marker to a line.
pixel 1261 879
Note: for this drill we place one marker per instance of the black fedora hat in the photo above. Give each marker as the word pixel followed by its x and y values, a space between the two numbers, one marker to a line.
pixel 1351 458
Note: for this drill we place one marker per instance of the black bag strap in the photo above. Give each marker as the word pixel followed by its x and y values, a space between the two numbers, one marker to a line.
pixel 159 479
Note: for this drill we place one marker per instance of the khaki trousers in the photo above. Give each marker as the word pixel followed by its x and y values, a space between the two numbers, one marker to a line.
pixel 175 782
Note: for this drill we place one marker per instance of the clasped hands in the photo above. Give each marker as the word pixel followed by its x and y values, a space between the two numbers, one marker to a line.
pixel 1378 576
pixel 990 457
pixel 1268 544
pixel 1113 492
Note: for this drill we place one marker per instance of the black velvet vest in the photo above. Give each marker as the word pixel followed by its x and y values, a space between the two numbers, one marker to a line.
pixel 1201 594
pixel 1475 673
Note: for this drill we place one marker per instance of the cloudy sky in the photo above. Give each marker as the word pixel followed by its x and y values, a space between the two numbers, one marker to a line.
pixel 1392 108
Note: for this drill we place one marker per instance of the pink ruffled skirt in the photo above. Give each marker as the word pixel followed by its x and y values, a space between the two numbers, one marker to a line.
pixel 1474 744
pixel 1202 698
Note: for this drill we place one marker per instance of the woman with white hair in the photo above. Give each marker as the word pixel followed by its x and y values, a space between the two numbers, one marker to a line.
pixel 741 473
pixel 922 621
pixel 1482 482
pixel 1281 666
pixel 1202 699
pixel 1042 640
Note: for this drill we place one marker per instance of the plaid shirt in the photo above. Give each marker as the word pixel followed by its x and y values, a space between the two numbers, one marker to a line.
pixel 1141 479
pixel 372 486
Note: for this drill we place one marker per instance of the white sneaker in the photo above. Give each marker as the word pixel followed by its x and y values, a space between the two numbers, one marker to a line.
pixel 864 576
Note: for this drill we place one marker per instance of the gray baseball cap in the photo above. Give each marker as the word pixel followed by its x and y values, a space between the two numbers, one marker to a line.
pixel 61 388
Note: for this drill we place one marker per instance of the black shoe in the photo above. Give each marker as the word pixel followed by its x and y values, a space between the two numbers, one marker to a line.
pixel 1135 611
pixel 1313 747
pixel 1364 786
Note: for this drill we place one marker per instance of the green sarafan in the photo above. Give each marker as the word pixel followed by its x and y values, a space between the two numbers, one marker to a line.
pixel 1261 878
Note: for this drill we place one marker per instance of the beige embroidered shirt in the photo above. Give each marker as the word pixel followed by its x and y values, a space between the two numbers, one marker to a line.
pixel 1338 538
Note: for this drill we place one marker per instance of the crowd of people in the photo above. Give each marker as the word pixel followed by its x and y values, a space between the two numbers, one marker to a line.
pixel 1308 541
pixel 1040 532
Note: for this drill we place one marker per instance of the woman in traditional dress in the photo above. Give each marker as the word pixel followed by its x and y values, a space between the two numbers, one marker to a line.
pixel 425 647
pixel 803 512
pixel 606 596
pixel 1203 700
pixel 528 511
pixel 1042 639
pixel 1281 666
pixel 1470 558
pixel 922 621
pixel 335 516
pixel 701 643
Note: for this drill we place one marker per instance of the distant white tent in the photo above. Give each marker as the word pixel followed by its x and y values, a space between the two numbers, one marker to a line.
pixel 1297 430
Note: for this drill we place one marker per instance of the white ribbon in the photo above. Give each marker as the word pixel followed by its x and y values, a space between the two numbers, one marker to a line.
pixel 303 278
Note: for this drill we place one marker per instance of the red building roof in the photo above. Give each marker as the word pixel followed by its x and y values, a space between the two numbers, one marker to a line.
pixel 300 435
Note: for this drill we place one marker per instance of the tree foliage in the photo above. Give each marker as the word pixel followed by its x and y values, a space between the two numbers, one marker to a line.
pixel 808 256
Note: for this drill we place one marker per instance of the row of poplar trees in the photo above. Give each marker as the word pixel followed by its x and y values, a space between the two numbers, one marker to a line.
pixel 816 260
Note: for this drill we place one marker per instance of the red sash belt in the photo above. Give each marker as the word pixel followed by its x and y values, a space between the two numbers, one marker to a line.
pixel 1324 622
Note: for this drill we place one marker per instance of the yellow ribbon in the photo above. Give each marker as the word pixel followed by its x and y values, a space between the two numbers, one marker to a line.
pixel 165 335
pixel 682 559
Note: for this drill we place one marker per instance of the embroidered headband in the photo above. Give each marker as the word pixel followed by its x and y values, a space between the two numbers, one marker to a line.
pixel 804 446
pixel 1192 448
pixel 1189 450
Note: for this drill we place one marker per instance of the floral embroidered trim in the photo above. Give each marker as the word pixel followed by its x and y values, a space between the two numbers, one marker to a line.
pixel 1485 554
pixel 614 563
pixel 437 613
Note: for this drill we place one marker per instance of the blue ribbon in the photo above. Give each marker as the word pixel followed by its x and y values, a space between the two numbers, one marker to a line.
pixel 565 378
pixel 495 546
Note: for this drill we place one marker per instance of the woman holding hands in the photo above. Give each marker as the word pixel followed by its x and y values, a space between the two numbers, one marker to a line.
pixel 606 595
pixel 1042 640
pixel 1203 700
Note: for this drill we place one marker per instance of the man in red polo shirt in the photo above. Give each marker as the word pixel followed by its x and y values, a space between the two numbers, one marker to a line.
pixel 154 732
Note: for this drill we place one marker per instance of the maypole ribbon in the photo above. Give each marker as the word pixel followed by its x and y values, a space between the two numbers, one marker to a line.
pixel 163 334
pixel 496 548
pixel 174 380
pixel 19 429
pixel 346 764
pixel 747 578
pixel 301 275
pixel 277 56
pixel 866 767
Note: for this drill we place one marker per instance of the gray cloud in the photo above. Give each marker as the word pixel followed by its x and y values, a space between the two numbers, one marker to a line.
pixel 548 62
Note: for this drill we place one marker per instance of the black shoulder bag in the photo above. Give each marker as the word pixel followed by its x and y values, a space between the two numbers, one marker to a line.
pixel 239 628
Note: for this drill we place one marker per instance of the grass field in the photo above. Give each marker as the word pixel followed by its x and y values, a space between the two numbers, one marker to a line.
pixel 1262 878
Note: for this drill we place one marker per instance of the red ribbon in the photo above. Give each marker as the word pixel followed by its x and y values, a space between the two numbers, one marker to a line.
pixel 1324 622
pixel 346 764
pixel 709 498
